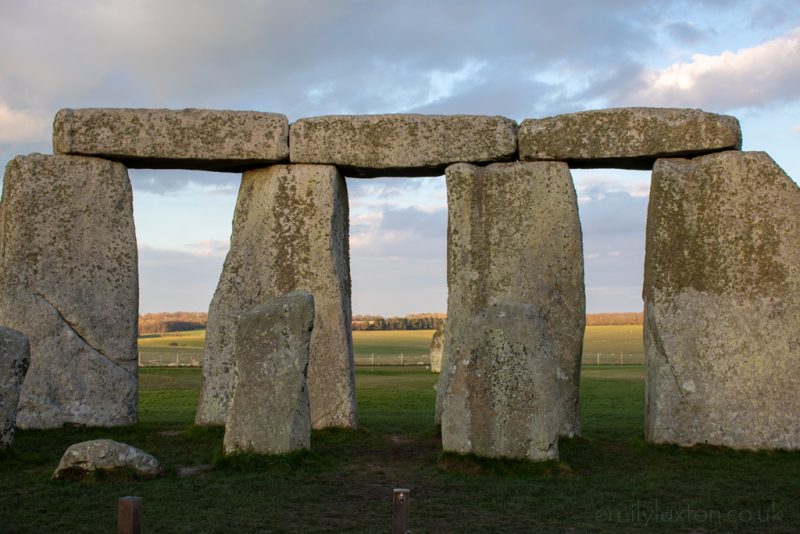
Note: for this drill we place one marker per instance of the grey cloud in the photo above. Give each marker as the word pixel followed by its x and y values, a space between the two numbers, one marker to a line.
pixel 170 276
pixel 172 181
pixel 612 213
pixel 687 33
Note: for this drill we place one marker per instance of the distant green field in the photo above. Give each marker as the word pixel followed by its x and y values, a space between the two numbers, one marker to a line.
pixel 602 344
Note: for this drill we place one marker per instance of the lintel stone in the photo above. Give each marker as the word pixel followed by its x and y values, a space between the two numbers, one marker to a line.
pixel 200 139
pixel 367 146
pixel 627 138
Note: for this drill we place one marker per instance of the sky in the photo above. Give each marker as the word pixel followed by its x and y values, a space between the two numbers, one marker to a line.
pixel 520 59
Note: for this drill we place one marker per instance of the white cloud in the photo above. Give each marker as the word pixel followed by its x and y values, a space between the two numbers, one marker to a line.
pixel 760 75
pixel 22 125
pixel 796 129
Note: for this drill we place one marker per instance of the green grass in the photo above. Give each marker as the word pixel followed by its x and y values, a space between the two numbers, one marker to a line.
pixel 609 480
pixel 385 347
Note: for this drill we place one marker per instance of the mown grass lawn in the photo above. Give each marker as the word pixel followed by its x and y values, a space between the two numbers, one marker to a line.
pixel 609 480
pixel 382 347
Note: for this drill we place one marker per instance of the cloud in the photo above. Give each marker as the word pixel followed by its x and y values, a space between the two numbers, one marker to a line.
pixel 177 280
pixel 761 75
pixel 23 126
pixel 796 129
pixel 168 181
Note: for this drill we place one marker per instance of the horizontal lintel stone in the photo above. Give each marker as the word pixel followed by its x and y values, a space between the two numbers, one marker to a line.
pixel 368 146
pixel 199 139
pixel 627 138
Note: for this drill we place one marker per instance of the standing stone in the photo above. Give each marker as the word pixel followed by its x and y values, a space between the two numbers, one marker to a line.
pixel 627 138
pixel 514 237
pixel 503 400
pixel 722 303
pixel 15 357
pixel 401 145
pixel 269 411
pixel 437 348
pixel 69 282
pixel 290 231
pixel 203 139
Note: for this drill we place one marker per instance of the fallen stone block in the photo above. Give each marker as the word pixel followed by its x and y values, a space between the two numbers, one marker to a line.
pixel 722 303
pixel 367 146
pixel 84 459
pixel 627 138
pixel 15 357
pixel 269 411
pixel 202 139
pixel 69 282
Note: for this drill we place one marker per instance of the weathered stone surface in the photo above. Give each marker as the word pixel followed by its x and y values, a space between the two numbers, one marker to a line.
pixel 514 237
pixel 437 347
pixel 83 459
pixel 269 412
pixel 15 357
pixel 69 281
pixel 213 140
pixel 627 138
pixel 401 145
pixel 290 231
pixel 503 398
pixel 722 303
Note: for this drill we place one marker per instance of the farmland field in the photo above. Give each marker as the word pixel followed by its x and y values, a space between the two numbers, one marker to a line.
pixel 609 480
pixel 602 344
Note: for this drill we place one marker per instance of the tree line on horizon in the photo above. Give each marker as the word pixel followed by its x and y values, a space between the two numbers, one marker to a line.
pixel 159 323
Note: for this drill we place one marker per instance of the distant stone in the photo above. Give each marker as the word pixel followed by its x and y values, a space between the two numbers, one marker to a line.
pixel 722 303
pixel 503 400
pixel 290 231
pixel 269 412
pixel 84 459
pixel 515 238
pixel 437 347
pixel 15 357
pixel 627 138
pixel 203 139
pixel 69 282
pixel 367 146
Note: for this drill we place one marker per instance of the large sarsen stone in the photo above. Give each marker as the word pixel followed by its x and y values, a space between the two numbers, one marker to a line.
pixel 514 237
pixel 15 357
pixel 204 139
pixel 69 281
pixel 503 399
pixel 626 138
pixel 290 231
pixel 722 303
pixel 401 145
pixel 269 412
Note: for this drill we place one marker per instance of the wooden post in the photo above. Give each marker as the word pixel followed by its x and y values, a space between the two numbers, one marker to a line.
pixel 129 515
pixel 401 502
pixel 598 358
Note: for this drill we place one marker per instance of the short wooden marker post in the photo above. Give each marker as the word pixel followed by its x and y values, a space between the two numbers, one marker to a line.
pixel 129 515
pixel 401 503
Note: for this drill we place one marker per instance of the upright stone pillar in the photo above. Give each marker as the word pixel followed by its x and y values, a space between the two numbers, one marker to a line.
pixel 15 357
pixel 69 282
pixel 269 410
pixel 290 231
pixel 722 303
pixel 515 278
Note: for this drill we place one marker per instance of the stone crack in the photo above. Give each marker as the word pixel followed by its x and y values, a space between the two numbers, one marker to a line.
pixel 78 334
